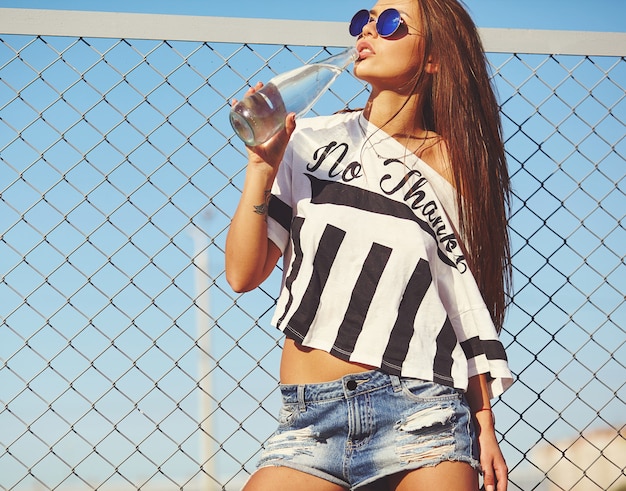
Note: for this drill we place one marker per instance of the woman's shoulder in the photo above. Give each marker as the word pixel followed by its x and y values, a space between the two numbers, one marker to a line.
pixel 436 155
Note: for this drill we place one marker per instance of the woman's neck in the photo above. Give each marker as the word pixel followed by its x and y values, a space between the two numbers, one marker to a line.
pixel 398 115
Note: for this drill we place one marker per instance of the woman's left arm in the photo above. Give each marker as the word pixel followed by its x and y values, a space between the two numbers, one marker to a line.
pixel 495 471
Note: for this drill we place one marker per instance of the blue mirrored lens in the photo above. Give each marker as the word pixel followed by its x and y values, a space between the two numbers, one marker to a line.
pixel 358 22
pixel 388 22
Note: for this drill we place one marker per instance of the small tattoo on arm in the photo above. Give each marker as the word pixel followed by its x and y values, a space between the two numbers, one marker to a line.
pixel 262 209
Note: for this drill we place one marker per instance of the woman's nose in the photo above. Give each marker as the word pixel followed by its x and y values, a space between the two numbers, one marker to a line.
pixel 369 28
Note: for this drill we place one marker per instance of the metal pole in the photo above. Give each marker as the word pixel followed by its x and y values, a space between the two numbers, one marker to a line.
pixel 202 282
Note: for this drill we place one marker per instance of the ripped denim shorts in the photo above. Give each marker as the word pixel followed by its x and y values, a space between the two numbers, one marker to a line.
pixel 369 425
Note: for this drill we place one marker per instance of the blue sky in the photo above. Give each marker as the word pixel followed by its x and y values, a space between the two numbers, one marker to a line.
pixel 64 341
pixel 598 15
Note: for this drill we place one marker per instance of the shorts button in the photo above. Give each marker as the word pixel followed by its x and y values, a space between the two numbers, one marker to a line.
pixel 351 384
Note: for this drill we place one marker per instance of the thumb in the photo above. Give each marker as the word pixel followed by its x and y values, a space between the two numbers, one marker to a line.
pixel 290 123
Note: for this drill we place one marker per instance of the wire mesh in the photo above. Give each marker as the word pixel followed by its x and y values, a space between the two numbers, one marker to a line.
pixel 126 361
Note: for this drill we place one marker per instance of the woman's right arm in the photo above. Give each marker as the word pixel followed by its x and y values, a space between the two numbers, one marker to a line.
pixel 250 255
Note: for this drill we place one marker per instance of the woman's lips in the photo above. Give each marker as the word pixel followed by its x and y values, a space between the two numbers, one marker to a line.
pixel 365 49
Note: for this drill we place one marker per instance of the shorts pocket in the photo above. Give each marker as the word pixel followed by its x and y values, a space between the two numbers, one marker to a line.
pixel 426 391
pixel 287 414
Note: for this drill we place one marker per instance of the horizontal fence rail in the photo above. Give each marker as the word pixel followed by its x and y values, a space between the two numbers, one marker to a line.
pixel 127 362
pixel 39 22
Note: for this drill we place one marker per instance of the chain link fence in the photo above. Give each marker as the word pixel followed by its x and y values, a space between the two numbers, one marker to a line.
pixel 126 361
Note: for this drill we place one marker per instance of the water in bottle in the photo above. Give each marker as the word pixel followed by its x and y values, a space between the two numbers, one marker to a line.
pixel 259 116
pixel 256 118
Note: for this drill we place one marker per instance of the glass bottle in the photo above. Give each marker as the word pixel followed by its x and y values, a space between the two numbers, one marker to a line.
pixel 257 117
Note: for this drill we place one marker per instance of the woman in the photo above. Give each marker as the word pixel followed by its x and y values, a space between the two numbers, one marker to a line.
pixel 392 224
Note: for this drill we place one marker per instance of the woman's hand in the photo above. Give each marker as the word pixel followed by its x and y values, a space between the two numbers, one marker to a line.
pixel 495 471
pixel 271 152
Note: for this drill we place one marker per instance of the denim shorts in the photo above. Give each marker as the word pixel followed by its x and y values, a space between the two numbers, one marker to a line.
pixel 369 425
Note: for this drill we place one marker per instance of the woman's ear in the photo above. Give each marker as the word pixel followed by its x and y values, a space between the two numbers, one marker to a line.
pixel 432 66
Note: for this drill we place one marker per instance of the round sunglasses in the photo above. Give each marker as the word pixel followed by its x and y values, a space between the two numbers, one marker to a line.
pixel 387 23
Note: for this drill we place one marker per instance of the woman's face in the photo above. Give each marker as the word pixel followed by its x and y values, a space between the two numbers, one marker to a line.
pixel 391 63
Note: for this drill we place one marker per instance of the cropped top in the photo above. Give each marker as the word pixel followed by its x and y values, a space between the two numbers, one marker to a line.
pixel 373 271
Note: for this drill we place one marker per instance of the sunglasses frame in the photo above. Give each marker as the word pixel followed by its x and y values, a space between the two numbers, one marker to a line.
pixel 364 15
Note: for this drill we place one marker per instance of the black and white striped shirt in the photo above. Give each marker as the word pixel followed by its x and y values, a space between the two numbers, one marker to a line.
pixel 373 270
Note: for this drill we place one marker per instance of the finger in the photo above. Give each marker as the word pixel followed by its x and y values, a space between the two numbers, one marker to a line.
pixel 290 123
pixel 489 480
pixel 250 91
pixel 503 478
pixel 285 133
pixel 257 86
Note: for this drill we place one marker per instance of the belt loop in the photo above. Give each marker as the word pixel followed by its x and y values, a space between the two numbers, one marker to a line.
pixel 301 400
pixel 395 382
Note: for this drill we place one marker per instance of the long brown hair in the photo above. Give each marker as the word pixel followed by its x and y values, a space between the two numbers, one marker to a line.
pixel 460 106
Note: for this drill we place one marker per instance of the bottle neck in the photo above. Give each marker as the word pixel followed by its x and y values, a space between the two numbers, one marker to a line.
pixel 341 60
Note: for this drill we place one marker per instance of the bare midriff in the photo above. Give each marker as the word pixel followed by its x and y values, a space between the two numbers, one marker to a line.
pixel 302 365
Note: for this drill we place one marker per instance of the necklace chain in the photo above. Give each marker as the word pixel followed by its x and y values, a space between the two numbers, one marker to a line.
pixel 372 145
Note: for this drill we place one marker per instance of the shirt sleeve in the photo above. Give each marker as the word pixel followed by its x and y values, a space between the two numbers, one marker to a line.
pixel 281 204
pixel 474 328
pixel 467 311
